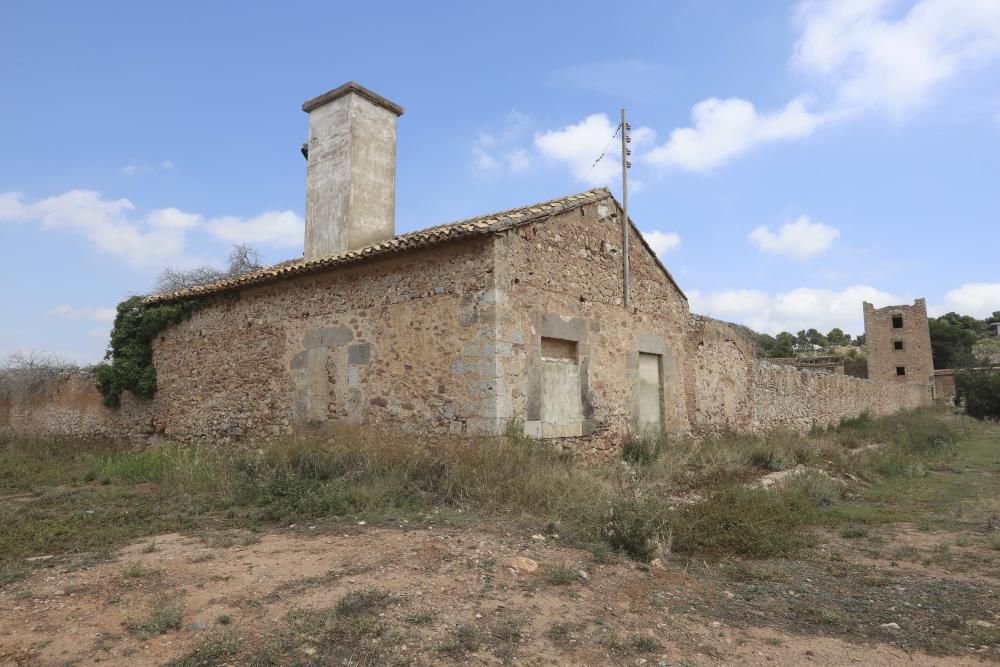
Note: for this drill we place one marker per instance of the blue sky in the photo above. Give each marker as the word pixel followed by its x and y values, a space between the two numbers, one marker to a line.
pixel 790 159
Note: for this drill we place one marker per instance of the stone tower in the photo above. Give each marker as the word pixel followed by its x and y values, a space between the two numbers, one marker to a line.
pixel 351 173
pixel 899 343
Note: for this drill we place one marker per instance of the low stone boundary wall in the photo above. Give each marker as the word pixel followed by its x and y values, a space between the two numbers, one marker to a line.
pixel 68 404
pixel 794 400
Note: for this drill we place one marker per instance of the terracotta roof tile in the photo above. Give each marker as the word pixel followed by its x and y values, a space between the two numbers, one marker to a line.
pixel 484 224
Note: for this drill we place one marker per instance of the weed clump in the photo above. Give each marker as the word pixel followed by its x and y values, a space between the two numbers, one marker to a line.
pixel 638 528
pixel 642 449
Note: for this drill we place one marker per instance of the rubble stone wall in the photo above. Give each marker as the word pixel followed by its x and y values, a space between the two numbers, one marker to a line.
pixel 733 390
pixel 394 340
pixel 69 405
pixel 563 279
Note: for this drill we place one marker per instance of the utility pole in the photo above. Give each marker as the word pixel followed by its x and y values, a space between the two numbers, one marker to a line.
pixel 626 140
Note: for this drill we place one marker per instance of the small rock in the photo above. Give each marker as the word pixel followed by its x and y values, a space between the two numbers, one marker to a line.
pixel 34 559
pixel 362 523
pixel 538 538
pixel 583 575
pixel 730 595
pixel 890 626
pixel 715 624
pixel 657 563
pixel 982 624
pixel 521 563
pixel 197 626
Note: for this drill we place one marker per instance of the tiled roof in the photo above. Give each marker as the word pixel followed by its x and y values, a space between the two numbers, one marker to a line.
pixel 484 224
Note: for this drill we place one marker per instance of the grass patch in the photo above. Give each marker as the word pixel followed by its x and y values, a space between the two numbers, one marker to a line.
pixel 378 475
pixel 642 449
pixel 167 614
pixel 561 575
pixel 362 601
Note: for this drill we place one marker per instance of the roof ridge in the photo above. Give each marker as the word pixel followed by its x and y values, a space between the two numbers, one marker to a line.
pixel 418 238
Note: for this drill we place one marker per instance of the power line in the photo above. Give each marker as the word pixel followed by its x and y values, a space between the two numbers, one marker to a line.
pixel 604 152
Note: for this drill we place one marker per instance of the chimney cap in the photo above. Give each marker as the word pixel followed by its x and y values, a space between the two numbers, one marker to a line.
pixel 351 87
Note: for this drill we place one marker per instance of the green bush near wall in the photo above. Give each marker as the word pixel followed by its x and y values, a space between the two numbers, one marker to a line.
pixel 128 364
pixel 981 391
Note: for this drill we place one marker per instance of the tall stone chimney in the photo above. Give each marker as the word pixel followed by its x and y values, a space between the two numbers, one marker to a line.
pixel 351 178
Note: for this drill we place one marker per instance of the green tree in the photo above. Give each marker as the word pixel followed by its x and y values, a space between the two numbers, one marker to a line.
pixel 784 345
pixel 838 337
pixel 816 339
pixel 981 391
pixel 952 338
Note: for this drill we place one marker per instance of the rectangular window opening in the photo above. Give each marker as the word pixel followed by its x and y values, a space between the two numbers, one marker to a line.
pixel 897 321
pixel 561 409
pixel 900 370
pixel 897 345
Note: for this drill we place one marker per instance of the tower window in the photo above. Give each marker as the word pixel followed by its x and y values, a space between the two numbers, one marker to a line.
pixel 897 321
pixel 900 370
pixel 897 345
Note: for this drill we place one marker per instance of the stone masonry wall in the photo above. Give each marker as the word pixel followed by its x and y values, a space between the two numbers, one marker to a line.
pixel 69 405
pixel 793 400
pixel 733 390
pixel 721 358
pixel 562 279
pixel 398 340
pixel 449 340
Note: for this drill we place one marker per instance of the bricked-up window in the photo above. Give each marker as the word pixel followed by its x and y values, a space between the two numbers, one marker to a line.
pixel 897 345
pixel 562 404
pixel 900 370
pixel 897 321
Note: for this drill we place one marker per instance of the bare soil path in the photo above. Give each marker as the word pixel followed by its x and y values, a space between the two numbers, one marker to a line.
pixel 465 596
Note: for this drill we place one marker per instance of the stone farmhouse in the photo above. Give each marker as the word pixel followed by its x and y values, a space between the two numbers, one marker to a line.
pixel 516 317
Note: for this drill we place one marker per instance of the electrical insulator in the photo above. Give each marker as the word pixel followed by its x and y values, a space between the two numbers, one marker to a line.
pixel 628 165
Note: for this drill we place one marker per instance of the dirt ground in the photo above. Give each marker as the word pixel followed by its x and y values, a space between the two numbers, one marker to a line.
pixel 468 596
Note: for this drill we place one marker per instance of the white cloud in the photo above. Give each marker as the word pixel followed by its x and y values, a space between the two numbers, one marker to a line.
pixel 976 299
pixel 281 228
pixel 798 240
pixel 136 168
pixel 725 128
pixel 83 313
pixel 158 239
pixel 875 61
pixel 801 308
pixel 495 154
pixel 579 145
pixel 662 242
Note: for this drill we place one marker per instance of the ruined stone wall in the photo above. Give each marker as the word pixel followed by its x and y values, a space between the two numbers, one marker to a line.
pixel 789 399
pixel 561 279
pixel 732 390
pixel 399 340
pixel 721 359
pixel 944 384
pixel 69 405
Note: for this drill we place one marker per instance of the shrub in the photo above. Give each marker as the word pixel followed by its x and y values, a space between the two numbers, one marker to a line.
pixel 130 352
pixel 637 528
pixel 981 391
pixel 749 522
pixel 642 449
pixel 768 458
